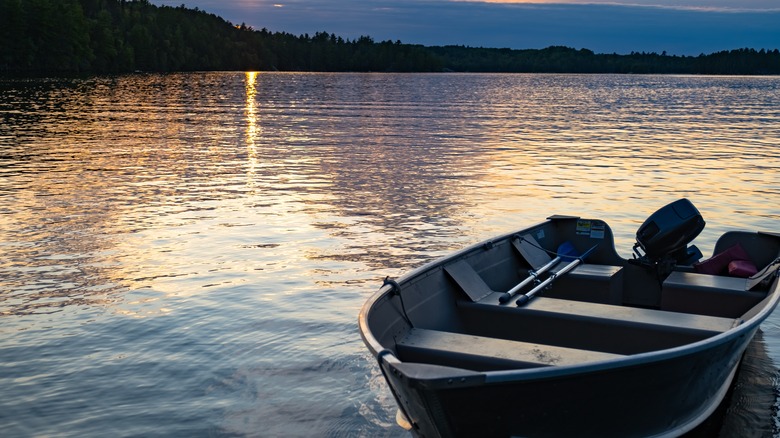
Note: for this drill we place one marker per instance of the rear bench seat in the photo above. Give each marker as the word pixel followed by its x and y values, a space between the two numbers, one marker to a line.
pixel 487 354
pixel 708 294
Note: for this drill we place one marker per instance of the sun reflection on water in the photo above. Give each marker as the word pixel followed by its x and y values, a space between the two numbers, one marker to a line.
pixel 252 127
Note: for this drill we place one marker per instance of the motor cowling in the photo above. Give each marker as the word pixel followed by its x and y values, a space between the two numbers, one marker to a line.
pixel 665 235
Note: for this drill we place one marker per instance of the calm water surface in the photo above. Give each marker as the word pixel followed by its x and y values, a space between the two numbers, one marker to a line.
pixel 186 255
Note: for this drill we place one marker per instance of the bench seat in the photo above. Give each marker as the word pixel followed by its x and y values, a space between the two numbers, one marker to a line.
pixel 591 326
pixel 630 316
pixel 487 354
pixel 589 282
pixel 708 294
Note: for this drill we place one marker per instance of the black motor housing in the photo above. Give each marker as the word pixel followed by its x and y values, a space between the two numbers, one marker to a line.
pixel 668 231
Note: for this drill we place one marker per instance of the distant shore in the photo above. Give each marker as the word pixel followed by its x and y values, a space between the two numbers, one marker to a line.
pixel 67 37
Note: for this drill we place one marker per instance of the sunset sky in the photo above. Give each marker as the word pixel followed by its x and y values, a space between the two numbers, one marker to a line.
pixel 679 27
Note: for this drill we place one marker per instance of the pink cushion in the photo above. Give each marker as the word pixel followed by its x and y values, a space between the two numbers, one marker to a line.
pixel 742 268
pixel 718 264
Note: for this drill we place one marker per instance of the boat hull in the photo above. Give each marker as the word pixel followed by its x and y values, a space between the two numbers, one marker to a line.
pixel 614 350
pixel 666 395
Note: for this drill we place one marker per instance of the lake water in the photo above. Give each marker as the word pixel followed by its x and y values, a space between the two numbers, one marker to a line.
pixel 186 254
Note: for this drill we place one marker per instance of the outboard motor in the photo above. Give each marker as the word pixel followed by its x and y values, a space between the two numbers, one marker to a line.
pixel 665 235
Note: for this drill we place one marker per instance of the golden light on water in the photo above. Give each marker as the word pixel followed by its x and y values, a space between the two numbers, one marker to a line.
pixel 196 181
pixel 252 125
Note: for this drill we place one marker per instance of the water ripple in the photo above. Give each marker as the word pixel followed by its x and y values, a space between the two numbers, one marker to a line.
pixel 186 254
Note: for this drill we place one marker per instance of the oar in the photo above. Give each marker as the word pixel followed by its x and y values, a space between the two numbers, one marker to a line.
pixel 533 275
pixel 571 265
pixel 565 251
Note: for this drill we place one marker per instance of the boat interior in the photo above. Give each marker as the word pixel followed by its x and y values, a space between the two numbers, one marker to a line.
pixel 583 303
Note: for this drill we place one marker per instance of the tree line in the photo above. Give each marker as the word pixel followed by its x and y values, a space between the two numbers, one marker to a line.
pixel 559 59
pixel 118 36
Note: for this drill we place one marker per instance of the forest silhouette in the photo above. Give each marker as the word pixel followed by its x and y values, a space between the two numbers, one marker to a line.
pixel 39 37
